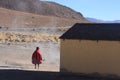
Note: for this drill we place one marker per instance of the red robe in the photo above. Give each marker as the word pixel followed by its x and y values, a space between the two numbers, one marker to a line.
pixel 36 57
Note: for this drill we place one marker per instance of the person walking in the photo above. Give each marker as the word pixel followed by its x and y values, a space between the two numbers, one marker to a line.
pixel 37 57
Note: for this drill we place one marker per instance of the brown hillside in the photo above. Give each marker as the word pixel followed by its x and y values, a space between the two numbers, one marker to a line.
pixel 12 18
pixel 42 8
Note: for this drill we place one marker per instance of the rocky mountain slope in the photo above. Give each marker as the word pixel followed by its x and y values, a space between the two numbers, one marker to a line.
pixel 35 13
pixel 12 18
pixel 42 8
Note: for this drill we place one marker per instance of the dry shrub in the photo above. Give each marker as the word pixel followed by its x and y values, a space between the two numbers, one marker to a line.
pixel 62 28
pixel 28 37
pixel 2 37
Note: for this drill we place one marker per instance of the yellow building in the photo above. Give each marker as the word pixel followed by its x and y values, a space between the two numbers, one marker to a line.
pixel 90 48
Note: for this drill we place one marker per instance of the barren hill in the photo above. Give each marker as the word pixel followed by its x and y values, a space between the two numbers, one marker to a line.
pixel 42 8
pixel 36 13
pixel 12 18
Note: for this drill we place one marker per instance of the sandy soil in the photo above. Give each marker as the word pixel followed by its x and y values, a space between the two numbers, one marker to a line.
pixel 18 56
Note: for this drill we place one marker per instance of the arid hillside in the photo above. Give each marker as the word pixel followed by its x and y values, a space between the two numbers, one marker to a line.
pixel 36 13
pixel 12 18
pixel 41 8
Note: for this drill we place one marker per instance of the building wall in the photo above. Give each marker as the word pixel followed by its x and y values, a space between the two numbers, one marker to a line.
pixel 87 56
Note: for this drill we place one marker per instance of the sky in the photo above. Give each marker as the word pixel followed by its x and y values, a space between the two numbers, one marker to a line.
pixel 99 9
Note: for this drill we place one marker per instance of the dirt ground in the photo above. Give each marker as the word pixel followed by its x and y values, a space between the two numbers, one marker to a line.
pixel 18 56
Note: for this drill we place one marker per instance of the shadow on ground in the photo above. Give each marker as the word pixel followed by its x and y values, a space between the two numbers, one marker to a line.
pixel 41 75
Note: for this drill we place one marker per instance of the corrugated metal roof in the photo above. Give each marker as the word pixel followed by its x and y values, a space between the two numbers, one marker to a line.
pixel 93 31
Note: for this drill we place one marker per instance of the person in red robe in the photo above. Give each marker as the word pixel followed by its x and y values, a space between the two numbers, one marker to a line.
pixel 37 57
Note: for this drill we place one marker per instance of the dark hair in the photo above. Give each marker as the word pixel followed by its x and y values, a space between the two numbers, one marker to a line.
pixel 37 48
